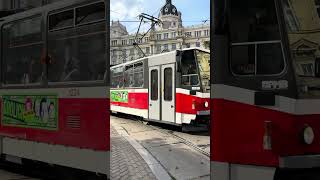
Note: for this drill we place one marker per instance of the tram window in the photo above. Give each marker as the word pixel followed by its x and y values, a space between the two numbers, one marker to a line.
pixel 91 13
pixel 22 48
pixel 73 59
pixel 138 75
pixel 61 20
pixel 255 38
pixel 270 59
pixel 128 76
pixel 154 85
pixel 117 77
pixel 168 84
pixel 189 69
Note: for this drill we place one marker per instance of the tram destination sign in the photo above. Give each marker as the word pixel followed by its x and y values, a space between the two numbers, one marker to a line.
pixel 119 96
pixel 30 111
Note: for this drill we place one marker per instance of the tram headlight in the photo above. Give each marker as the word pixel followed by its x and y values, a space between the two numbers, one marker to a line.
pixel 308 135
pixel 206 104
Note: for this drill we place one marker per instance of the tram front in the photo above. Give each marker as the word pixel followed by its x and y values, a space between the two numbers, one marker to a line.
pixel 266 90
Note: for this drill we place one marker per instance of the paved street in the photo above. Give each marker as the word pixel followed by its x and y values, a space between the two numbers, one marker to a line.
pixel 183 156
pixel 5 175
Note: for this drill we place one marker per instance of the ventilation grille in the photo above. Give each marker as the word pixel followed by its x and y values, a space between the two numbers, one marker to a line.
pixel 73 122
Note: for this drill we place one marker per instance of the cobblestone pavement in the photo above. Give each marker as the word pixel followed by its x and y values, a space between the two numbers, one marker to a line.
pixel 126 162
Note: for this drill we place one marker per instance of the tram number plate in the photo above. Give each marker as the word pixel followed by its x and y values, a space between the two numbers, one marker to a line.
pixel 274 85
pixel 74 92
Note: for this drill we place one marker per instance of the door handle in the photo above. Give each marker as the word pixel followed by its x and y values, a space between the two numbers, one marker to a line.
pixel 171 106
pixel 150 104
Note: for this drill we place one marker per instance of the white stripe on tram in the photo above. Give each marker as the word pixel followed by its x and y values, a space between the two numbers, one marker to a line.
pixel 283 104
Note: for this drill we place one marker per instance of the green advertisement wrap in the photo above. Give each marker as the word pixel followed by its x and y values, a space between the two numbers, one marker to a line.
pixel 35 111
pixel 119 96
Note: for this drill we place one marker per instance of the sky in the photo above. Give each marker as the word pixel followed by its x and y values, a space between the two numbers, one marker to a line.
pixel 193 11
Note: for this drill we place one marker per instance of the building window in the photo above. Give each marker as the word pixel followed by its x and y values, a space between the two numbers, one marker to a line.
pixel 188 34
pixel 307 69
pixel 174 46
pixel 146 39
pixel 173 35
pixel 158 36
pixel 158 48
pixel 188 45
pixel 166 36
pixel 147 50
pixel 124 42
pixel 140 40
pixel 197 44
pixel 206 32
pixel 197 33
pixel 114 42
pixel 131 41
pixel 166 47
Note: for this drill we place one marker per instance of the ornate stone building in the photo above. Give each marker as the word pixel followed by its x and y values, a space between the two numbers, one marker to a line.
pixel 170 35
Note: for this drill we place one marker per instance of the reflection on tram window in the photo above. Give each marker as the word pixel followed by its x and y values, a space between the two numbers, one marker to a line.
pixel 61 20
pixel 72 58
pixel 189 69
pixel 203 59
pixel 22 44
pixel 138 75
pixel 117 77
pixel 256 47
pixel 303 28
pixel 91 13
pixel 128 76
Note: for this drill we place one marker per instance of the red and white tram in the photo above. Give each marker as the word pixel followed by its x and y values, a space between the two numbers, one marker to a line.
pixel 54 100
pixel 171 87
pixel 265 90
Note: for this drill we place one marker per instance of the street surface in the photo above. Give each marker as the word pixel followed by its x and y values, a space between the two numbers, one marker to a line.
pixel 182 155
pixel 5 175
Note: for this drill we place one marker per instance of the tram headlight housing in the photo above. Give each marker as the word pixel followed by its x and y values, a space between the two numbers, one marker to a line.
pixel 308 135
pixel 206 104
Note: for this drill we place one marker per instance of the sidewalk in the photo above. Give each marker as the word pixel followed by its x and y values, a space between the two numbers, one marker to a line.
pixel 129 162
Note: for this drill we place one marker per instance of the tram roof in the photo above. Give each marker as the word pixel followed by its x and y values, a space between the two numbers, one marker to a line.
pixel 162 54
pixel 46 9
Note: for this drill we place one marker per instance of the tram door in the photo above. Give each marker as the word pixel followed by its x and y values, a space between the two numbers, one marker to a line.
pixel 154 93
pixel 162 93
pixel 168 93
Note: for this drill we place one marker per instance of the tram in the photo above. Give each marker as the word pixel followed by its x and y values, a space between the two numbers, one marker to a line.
pixel 53 92
pixel 265 90
pixel 171 87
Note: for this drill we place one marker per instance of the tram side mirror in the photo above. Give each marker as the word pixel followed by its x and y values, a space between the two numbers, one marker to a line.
pixel 317 68
pixel 264 98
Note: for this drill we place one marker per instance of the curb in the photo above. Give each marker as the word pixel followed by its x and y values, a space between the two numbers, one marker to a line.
pixel 156 168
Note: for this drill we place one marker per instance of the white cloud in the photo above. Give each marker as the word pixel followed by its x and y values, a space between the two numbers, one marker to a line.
pixel 126 9
pixel 129 10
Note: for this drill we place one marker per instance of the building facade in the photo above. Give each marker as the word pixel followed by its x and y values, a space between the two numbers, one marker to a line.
pixel 169 35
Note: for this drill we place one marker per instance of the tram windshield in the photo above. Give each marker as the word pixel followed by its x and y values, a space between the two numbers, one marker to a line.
pixel 192 75
pixel 303 27
pixel 203 59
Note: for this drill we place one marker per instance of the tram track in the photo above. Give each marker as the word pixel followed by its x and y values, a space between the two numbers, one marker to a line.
pixel 184 141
